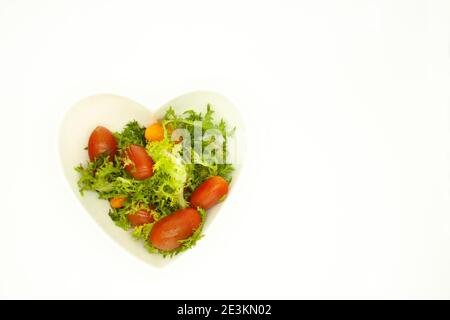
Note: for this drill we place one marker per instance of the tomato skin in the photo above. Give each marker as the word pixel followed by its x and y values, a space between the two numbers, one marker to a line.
pixel 140 217
pixel 179 225
pixel 142 164
pixel 101 141
pixel 209 192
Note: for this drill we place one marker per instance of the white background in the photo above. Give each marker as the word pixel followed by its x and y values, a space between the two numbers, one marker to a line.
pixel 345 192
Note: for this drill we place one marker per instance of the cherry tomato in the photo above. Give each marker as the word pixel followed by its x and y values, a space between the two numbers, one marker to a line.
pixel 209 192
pixel 140 217
pixel 180 225
pixel 101 142
pixel 142 164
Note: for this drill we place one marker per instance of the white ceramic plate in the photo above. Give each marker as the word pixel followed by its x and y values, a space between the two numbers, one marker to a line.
pixel 114 112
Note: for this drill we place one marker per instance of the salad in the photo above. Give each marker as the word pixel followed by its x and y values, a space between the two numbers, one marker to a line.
pixel 160 180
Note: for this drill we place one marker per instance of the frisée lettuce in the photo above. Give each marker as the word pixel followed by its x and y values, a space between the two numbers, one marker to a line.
pixel 179 168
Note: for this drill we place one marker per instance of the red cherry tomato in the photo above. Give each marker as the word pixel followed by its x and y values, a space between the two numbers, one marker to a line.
pixel 101 142
pixel 209 192
pixel 142 164
pixel 180 225
pixel 140 217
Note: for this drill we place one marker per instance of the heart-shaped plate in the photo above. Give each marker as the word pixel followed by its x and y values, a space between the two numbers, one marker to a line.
pixel 114 112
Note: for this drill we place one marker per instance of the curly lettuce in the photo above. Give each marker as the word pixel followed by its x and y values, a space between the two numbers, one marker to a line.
pixel 175 176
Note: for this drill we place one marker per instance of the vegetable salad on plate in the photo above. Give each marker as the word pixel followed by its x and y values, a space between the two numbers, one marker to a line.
pixel 160 180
